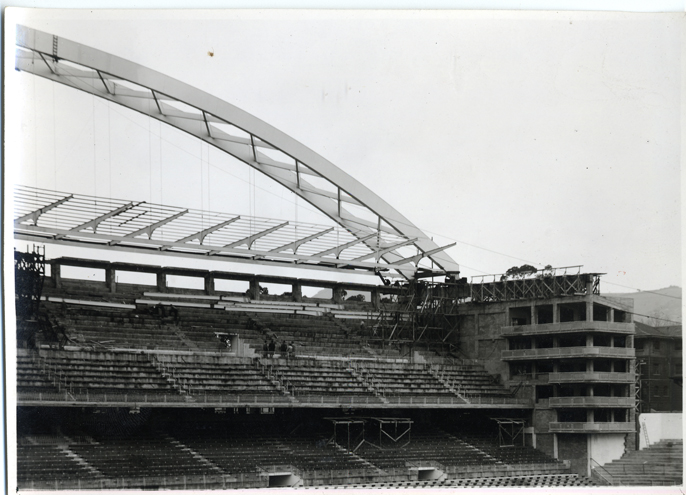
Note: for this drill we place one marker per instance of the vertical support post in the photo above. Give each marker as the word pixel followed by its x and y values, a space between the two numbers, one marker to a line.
pixel 556 313
pixel 338 294
pixel 297 291
pixel 376 299
pixel 110 279
pixel 209 283
pixel 161 281
pixel 255 289
pixel 56 275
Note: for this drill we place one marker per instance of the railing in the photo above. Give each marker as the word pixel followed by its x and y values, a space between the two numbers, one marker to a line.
pixel 53 373
pixel 584 376
pixel 591 401
pixel 576 427
pixel 134 398
pixel 601 472
pixel 188 482
pixel 558 352
pixel 570 326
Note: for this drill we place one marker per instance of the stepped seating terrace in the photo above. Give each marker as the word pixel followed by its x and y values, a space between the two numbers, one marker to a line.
pixel 471 380
pixel 47 463
pixel 661 463
pixel 93 371
pixel 425 447
pixel 146 455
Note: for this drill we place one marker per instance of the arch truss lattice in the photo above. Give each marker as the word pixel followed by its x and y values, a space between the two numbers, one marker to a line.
pixel 371 225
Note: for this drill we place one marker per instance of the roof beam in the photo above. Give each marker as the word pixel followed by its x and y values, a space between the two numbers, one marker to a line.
pixel 380 252
pixel 250 240
pixel 151 228
pixel 34 215
pixel 204 233
pixel 415 259
pixel 97 221
pixel 296 244
pixel 339 249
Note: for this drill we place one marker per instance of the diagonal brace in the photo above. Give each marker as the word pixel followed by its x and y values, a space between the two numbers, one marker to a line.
pixel 296 244
pixel 250 240
pixel 339 249
pixel 151 228
pixel 97 221
pixel 377 254
pixel 34 215
pixel 416 258
pixel 204 233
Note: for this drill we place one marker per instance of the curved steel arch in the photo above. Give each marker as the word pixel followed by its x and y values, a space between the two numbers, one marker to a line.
pixel 201 115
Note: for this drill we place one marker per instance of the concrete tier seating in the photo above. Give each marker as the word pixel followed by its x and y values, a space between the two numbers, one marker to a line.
pixel 240 450
pixel 313 336
pixel 489 444
pixel 216 376
pixel 661 463
pixel 549 480
pixel 426 446
pixel 110 327
pixel 93 371
pixel 308 378
pixel 470 380
pixel 47 463
pixel 146 455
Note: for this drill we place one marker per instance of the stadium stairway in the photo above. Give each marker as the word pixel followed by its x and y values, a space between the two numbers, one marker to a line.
pixel 661 463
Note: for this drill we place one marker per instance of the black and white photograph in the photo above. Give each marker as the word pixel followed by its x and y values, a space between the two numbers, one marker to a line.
pixel 343 249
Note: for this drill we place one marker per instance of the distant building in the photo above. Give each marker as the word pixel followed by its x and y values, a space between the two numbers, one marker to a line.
pixel 659 355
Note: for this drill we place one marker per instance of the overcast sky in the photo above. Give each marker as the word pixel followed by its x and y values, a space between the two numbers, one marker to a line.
pixel 541 138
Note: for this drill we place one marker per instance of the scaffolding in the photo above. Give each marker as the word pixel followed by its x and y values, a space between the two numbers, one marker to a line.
pixel 541 284
pixel 422 313
pixel 395 430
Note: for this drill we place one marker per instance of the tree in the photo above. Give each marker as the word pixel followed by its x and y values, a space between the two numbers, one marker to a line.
pixel 519 272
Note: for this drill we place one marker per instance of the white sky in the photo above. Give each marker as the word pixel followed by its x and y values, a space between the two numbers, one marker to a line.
pixel 548 138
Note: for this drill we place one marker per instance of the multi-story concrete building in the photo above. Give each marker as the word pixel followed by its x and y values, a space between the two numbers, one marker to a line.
pixel 571 350
pixel 659 355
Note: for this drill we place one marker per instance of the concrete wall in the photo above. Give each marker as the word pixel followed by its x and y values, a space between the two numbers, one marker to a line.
pixel 574 448
pixel 660 426
pixel 607 447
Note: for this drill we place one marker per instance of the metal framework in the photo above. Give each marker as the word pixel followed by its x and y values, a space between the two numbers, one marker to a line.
pixel 423 312
pixel 510 430
pixel 554 282
pixel 29 273
pixel 333 192
pixel 50 216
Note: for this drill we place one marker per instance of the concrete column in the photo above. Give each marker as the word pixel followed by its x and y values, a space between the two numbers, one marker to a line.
pixel 209 284
pixel 255 289
pixel 556 341
pixel 611 314
pixel 110 279
pixel 589 310
pixel 589 415
pixel 589 390
pixel 376 299
pixel 56 275
pixel 612 366
pixel 297 291
pixel 533 315
pixel 589 366
pixel 589 340
pixel 556 313
pixel 338 296
pixel 161 282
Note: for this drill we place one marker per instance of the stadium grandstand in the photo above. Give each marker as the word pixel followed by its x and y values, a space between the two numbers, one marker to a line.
pixel 127 381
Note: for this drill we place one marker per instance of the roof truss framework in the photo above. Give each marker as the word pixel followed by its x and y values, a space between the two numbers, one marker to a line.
pixel 50 216
pixel 225 127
